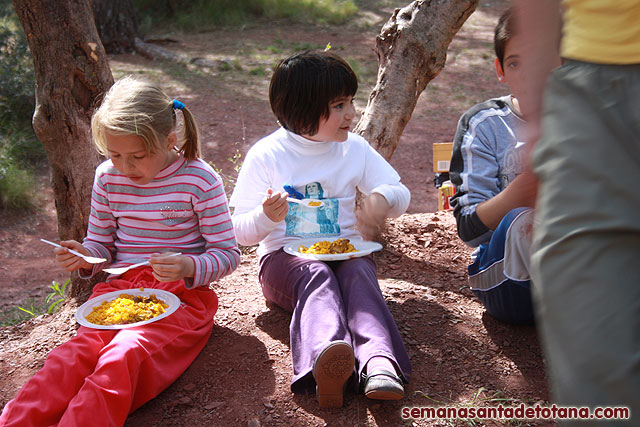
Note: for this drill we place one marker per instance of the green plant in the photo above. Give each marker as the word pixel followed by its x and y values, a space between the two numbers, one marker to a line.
pixel 225 66
pixel 33 310
pixel 52 300
pixel 57 295
pixel 274 49
pixel 21 144
pixel 228 180
pixel 257 71
pixel 12 316
pixel 18 187
pixel 237 65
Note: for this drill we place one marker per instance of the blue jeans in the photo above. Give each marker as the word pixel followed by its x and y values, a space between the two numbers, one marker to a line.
pixel 505 298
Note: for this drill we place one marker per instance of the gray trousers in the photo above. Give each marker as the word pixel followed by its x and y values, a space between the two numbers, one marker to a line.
pixel 339 300
pixel 586 259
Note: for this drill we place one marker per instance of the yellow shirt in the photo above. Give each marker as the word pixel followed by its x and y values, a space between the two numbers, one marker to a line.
pixel 602 31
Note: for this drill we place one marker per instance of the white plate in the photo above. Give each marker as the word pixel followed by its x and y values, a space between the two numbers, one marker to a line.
pixel 167 297
pixel 363 247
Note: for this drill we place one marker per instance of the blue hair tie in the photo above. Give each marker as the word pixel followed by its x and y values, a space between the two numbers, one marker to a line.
pixel 177 105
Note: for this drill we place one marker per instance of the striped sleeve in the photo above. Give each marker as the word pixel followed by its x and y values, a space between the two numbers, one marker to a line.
pixel 221 255
pixel 100 239
pixel 183 209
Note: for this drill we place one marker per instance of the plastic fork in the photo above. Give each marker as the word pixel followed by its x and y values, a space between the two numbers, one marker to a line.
pixel 310 203
pixel 89 259
pixel 120 270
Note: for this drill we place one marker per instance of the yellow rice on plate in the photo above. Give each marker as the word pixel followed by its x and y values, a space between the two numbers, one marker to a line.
pixel 127 309
pixel 338 246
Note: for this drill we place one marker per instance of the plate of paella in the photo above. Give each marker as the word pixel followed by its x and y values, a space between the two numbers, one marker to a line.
pixel 331 249
pixel 127 308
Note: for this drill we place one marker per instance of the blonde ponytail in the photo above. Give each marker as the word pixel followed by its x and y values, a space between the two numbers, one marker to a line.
pixel 191 146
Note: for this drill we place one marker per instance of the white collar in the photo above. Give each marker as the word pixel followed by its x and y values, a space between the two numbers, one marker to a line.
pixel 304 145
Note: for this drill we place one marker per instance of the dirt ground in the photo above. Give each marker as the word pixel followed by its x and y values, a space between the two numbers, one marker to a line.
pixel 461 356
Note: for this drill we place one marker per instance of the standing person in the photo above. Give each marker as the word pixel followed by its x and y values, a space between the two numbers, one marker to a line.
pixel 587 243
pixel 340 318
pixel 150 200
pixel 494 191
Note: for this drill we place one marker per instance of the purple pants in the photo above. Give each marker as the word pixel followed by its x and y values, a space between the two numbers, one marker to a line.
pixel 339 300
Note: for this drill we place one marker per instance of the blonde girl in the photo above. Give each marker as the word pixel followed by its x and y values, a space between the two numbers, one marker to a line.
pixel 152 198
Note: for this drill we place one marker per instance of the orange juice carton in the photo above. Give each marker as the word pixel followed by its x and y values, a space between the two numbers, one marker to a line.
pixel 445 191
pixel 442 156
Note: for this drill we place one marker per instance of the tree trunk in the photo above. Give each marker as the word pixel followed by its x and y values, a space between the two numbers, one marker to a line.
pixel 117 24
pixel 71 71
pixel 412 49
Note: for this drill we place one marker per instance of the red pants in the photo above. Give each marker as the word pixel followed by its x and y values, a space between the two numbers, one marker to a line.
pixel 100 376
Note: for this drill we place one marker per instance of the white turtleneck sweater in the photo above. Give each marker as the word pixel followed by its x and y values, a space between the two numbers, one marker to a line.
pixel 331 171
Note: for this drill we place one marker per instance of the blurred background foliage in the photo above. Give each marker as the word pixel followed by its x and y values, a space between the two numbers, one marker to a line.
pixel 21 154
pixel 20 151
pixel 16 69
pixel 202 15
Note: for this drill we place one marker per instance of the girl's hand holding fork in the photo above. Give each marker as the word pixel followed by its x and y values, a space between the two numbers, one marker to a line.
pixel 171 268
pixel 69 261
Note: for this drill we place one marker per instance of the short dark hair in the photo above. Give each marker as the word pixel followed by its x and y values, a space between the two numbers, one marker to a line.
pixel 504 31
pixel 303 85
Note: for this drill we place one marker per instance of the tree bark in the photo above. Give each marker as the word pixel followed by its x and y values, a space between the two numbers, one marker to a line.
pixel 117 24
pixel 71 72
pixel 412 49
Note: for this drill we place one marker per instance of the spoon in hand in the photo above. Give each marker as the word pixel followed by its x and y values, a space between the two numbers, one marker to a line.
pixel 89 259
pixel 310 203
pixel 120 270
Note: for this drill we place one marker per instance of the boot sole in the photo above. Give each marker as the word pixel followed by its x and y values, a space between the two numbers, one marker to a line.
pixel 331 370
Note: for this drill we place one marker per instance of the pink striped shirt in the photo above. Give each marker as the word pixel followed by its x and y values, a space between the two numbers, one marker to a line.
pixel 183 209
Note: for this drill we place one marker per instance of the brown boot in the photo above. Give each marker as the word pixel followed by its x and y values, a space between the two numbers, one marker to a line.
pixel 331 370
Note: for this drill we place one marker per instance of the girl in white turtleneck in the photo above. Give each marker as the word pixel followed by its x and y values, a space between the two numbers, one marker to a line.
pixel 341 324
